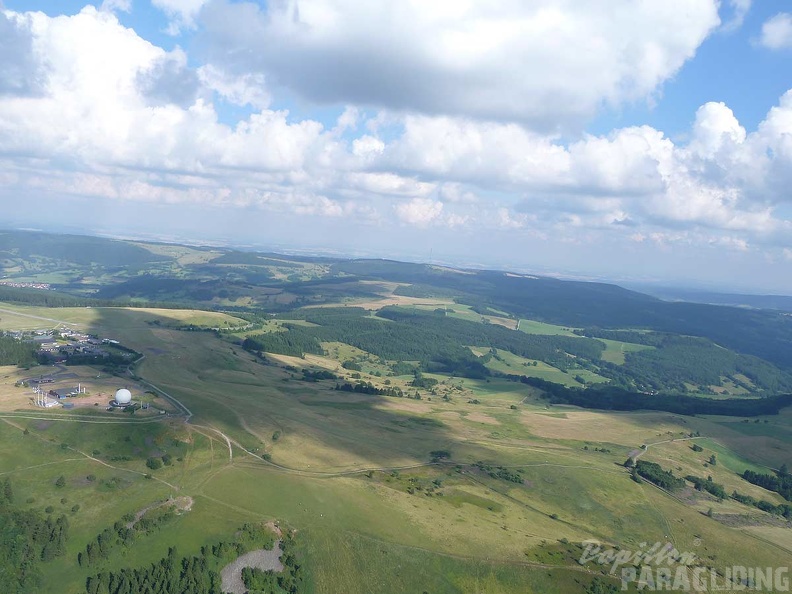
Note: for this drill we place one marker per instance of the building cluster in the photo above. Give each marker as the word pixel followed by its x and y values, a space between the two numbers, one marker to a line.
pixel 70 343
pixel 16 285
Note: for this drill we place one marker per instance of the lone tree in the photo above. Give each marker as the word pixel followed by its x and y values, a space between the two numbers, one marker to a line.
pixel 61 482
pixel 713 460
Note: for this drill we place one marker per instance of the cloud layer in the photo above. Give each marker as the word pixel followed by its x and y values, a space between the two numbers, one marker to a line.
pixel 452 118
pixel 549 64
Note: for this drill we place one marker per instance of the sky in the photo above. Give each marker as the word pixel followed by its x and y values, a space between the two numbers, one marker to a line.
pixel 631 140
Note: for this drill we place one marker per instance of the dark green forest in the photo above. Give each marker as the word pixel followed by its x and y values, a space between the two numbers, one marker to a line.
pixel 26 540
pixel 697 347
pixel 16 352
pixel 200 574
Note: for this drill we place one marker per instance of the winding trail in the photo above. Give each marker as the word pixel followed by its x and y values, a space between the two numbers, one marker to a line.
pixel 642 451
pixel 89 457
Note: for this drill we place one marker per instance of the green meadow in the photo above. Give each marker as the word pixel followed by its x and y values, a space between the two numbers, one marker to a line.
pixel 358 477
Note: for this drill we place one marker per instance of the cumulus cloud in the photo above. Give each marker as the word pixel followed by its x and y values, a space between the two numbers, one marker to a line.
pixel 777 32
pixel 20 72
pixel 113 5
pixel 113 116
pixel 240 90
pixel 419 211
pixel 740 9
pixel 169 81
pixel 548 64
pixel 181 12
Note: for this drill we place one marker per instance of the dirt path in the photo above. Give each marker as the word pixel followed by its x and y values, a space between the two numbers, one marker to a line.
pixel 181 503
pixel 223 435
pixel 97 460
pixel 231 574
pixel 642 451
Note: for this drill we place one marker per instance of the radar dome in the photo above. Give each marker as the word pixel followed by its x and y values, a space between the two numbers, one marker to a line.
pixel 123 396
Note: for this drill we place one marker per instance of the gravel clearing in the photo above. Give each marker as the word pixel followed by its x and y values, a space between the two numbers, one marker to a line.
pixel 231 574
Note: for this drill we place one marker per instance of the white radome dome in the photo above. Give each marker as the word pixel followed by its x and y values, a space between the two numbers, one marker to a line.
pixel 123 396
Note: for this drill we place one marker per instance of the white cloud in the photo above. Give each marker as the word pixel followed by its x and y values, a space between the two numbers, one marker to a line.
pixel 181 12
pixel 740 9
pixel 20 72
pixel 777 32
pixel 367 147
pixel 389 184
pixel 241 90
pixel 111 115
pixel 419 211
pixel 113 5
pixel 549 64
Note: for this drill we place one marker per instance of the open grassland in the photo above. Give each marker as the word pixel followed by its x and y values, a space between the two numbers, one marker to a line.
pixel 354 475
pixel 107 320
pixel 615 350
pixel 536 327
pixel 511 364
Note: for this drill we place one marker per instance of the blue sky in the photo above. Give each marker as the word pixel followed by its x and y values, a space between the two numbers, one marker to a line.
pixel 607 139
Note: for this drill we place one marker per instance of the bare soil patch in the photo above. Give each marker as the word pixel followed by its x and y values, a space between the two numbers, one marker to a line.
pixel 482 418
pixel 231 574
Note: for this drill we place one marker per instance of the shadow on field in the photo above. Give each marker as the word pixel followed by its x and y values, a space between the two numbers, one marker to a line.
pixel 268 410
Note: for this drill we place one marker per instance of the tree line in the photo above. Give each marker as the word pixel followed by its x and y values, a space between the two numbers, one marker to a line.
pixel 26 540
pixel 781 483
pixel 616 398
pixel 198 574
pixel 17 352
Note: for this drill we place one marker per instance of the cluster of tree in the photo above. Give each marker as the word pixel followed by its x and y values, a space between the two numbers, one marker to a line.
pixel 532 346
pixel 26 539
pixel 352 366
pixel 654 473
pixel 122 534
pixel 708 485
pixel 296 341
pixel 617 398
pixel 310 375
pixel 369 388
pixel 500 472
pixel 157 462
pixel 289 580
pixel 76 249
pixel 170 575
pixel 764 334
pixel 599 586
pixel 438 455
pixel 16 352
pixel 681 359
pixel 419 381
pixel 779 510
pixel 198 574
pixel 438 342
pixel 402 368
pixel 781 483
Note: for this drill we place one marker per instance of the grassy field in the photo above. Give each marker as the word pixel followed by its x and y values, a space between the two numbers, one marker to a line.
pixel 354 475
pixel 535 327
pixel 615 350
pixel 511 364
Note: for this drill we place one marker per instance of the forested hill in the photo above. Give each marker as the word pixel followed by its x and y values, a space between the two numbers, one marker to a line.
pixel 123 272
pixel 76 249
pixel 765 334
